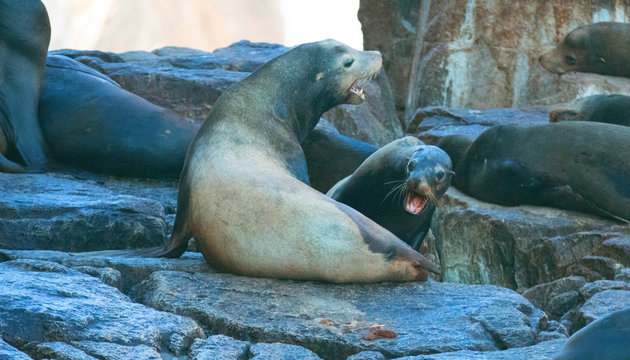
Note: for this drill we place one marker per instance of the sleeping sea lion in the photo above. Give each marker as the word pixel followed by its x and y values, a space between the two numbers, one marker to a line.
pixel 577 166
pixel 398 187
pixel 24 37
pixel 244 194
pixel 611 109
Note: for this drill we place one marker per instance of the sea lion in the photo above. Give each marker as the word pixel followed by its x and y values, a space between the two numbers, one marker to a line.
pixel 601 48
pixel 244 194
pixel 605 338
pixel 577 166
pixel 89 121
pixel 24 37
pixel 331 157
pixel 611 109
pixel 398 187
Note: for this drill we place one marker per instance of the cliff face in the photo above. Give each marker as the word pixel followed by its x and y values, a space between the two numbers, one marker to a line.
pixel 477 54
pixel 121 25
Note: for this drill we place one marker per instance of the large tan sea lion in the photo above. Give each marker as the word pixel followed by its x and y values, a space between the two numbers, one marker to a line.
pixel 243 192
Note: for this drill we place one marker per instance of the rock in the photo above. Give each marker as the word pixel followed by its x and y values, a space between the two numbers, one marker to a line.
pixel 557 297
pixel 598 305
pixel 432 123
pixel 624 275
pixel 132 269
pixel 38 211
pixel 588 290
pixel 42 301
pixel 594 268
pixel 277 351
pixel 543 351
pixel 58 351
pixel 109 351
pixel 616 248
pixel 367 355
pixel 219 347
pixel 332 320
pixel 107 275
pixel 8 352
pixel 483 243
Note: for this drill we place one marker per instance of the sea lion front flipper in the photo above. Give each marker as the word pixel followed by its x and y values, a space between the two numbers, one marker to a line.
pixel 8 166
pixel 564 197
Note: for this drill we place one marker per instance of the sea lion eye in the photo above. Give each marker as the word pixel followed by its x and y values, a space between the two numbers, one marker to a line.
pixel 348 63
pixel 440 174
pixel 570 60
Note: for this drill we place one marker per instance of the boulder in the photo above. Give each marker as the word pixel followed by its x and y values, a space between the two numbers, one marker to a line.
pixel 9 352
pixel 42 301
pixel 39 211
pixel 624 275
pixel 557 297
pixel 277 351
pixel 110 351
pixel 617 248
pixel 367 355
pixel 432 123
pixel 588 290
pixel 599 305
pixel 543 351
pixel 516 247
pixel 219 347
pixel 336 321
pixel 57 350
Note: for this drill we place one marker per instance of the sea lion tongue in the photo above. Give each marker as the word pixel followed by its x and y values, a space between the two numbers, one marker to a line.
pixel 415 203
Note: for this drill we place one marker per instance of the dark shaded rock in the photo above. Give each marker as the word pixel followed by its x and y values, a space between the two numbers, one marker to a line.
pixel 332 319
pixel 624 275
pixel 8 352
pixel 277 351
pixel 616 248
pixel 594 268
pixel 219 347
pixel 105 56
pixel 482 243
pixel 557 297
pixel 132 269
pixel 599 305
pixel 110 351
pixel 367 355
pixel 39 211
pixel 588 290
pixel 555 330
pixel 46 302
pixel 543 351
pixel 107 275
pixel 58 351
pixel 432 123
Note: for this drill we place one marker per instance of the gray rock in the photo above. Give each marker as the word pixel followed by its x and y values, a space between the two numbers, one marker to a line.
pixel 58 351
pixel 107 275
pixel 624 275
pixel 8 352
pixel 42 301
pixel 132 269
pixel 594 268
pixel 38 211
pixel 483 243
pixel 588 290
pixel 557 297
pixel 277 351
pixel 219 347
pixel 367 355
pixel 432 123
pixel 336 321
pixel 599 305
pixel 617 248
pixel 543 351
pixel 110 351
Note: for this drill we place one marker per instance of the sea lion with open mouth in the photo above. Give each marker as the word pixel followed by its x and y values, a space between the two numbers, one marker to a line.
pixel 398 187
pixel 244 194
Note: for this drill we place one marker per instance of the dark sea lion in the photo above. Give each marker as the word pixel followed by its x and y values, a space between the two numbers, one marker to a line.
pixel 577 166
pixel 611 109
pixel 331 157
pixel 24 37
pixel 601 48
pixel 398 187
pixel 244 193
pixel 605 338
pixel 91 122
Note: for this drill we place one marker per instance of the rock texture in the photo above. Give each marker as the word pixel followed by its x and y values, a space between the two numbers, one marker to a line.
pixel 340 320
pixel 9 352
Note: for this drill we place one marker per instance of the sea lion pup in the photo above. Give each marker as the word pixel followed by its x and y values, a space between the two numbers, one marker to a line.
pixel 398 187
pixel 24 37
pixel 601 48
pixel 89 121
pixel 577 166
pixel 611 109
pixel 605 338
pixel 244 194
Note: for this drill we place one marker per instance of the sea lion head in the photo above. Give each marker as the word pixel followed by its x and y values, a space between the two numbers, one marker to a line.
pixel 566 112
pixel 429 174
pixel 569 55
pixel 456 147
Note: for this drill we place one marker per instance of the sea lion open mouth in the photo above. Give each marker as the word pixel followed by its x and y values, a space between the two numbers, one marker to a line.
pixel 415 203
pixel 355 95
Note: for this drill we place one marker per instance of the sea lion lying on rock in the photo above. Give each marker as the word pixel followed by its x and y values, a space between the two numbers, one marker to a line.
pixel 398 187
pixel 601 48
pixel 611 109
pixel 576 166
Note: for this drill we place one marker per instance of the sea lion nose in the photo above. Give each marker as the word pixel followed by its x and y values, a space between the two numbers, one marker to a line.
pixel 540 59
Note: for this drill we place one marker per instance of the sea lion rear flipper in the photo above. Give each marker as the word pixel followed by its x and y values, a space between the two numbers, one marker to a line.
pixel 8 166
pixel 564 197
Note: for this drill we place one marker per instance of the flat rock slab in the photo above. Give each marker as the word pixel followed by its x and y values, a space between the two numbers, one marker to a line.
pixel 337 321
pixel 39 211
pixel 515 247
pixel 42 301
pixel 544 351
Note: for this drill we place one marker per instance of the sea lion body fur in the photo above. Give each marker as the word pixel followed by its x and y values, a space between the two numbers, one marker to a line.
pixel 244 193
pixel 604 108
pixel 388 183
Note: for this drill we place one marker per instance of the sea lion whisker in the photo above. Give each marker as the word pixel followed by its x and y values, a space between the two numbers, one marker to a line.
pixel 390 192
